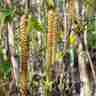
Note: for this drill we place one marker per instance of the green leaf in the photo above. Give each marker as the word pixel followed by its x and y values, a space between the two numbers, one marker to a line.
pixel 5 67
pixel 7 14
pixel 34 24
pixel 92 32
pixel 37 25
pixel 50 3
pixel 59 56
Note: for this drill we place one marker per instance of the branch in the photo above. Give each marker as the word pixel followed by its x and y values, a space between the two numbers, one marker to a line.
pixel 87 52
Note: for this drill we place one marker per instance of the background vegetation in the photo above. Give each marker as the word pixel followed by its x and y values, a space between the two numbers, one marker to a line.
pixel 47 48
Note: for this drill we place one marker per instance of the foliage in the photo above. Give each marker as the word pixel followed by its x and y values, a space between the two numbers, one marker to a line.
pixel 33 23
pixel 50 3
pixel 6 69
pixel 6 15
pixel 92 32
pixel 37 28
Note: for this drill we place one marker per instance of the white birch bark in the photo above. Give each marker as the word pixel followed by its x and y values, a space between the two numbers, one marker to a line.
pixel 12 51
pixel 85 88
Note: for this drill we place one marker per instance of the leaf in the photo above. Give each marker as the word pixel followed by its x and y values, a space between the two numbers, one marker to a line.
pixel 72 39
pixel 92 32
pixel 34 24
pixel 37 25
pixel 5 67
pixel 50 3
pixel 59 56
pixel 7 14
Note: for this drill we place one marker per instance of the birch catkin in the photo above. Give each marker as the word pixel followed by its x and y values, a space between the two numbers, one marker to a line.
pixel 24 52
pixel 52 34
pixel 52 39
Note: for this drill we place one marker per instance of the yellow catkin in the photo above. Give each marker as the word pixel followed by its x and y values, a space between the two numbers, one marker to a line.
pixel 49 38
pixel 54 39
pixel 24 53
pixel 52 36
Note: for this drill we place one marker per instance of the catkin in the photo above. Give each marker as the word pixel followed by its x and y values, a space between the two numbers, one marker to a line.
pixel 52 37
pixel 24 51
pixel 52 34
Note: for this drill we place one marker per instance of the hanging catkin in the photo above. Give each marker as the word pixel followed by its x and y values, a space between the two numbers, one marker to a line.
pixel 52 36
pixel 24 53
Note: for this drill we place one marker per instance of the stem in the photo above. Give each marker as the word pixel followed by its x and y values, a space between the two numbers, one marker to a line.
pixel 12 51
pixel 88 55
